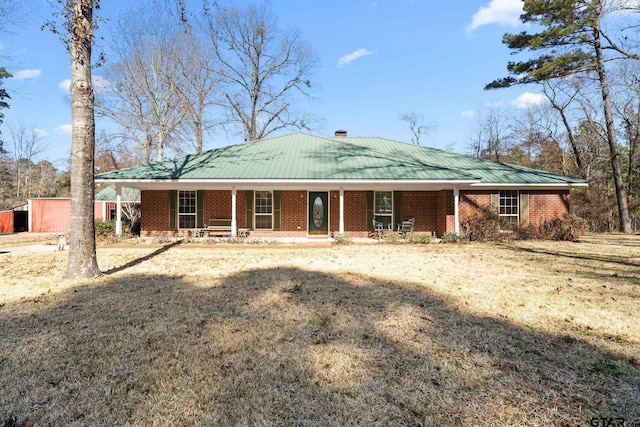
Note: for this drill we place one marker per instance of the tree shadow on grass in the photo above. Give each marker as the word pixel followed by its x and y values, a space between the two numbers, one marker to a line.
pixel 287 346
pixel 612 267
pixel 142 259
pixel 611 259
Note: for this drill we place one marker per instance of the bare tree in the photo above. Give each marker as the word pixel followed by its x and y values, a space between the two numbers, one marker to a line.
pixel 417 125
pixel 146 78
pixel 24 145
pixel 199 88
pixel 264 69
pixel 492 139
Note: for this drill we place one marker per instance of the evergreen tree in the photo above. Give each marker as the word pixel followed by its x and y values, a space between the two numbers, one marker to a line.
pixel 571 41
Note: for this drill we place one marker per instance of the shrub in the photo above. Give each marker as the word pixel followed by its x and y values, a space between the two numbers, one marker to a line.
pixel 105 228
pixel 342 239
pixel 483 226
pixel 568 228
pixel 420 238
pixel 451 238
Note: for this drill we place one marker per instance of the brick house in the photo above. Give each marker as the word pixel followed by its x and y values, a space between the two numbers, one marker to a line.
pixel 299 185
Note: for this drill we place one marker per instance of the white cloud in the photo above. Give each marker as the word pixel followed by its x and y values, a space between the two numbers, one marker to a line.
pixel 26 74
pixel 468 114
pixel 66 128
pixel 65 85
pixel 528 99
pixel 39 132
pixel 353 56
pixel 100 84
pixel 503 12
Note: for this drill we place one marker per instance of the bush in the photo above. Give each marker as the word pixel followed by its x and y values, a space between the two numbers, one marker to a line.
pixel 568 228
pixel 451 238
pixel 483 226
pixel 105 228
pixel 420 238
pixel 342 239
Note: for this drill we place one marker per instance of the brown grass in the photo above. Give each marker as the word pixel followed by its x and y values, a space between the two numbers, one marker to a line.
pixel 535 333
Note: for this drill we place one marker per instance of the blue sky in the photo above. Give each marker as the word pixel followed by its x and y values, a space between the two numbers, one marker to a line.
pixel 378 59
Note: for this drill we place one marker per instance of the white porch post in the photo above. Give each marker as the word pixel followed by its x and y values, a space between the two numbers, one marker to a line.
pixel 118 211
pixel 456 201
pixel 104 210
pixel 341 210
pixel 234 223
pixel 29 214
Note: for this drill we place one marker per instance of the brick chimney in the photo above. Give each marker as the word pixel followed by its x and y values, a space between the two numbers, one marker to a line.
pixel 341 133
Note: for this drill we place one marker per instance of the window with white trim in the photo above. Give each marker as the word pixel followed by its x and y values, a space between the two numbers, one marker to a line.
pixel 508 209
pixel 263 210
pixel 187 203
pixel 383 207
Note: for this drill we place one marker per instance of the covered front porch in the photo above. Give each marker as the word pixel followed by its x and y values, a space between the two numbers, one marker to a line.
pixel 269 210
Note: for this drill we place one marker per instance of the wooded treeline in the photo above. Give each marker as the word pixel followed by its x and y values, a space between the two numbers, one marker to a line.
pixel 22 174
pixel 172 81
pixel 584 55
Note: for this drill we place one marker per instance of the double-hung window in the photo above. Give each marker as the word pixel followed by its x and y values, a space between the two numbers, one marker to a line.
pixel 264 210
pixel 187 201
pixel 508 209
pixel 383 207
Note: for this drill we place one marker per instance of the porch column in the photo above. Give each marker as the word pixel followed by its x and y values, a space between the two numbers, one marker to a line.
pixel 341 210
pixel 104 210
pixel 234 223
pixel 29 214
pixel 118 211
pixel 456 218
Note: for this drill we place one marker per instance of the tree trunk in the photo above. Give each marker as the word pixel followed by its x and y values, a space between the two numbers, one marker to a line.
pixel 623 207
pixel 82 242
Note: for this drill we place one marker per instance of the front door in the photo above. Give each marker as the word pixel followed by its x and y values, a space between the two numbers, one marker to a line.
pixel 318 213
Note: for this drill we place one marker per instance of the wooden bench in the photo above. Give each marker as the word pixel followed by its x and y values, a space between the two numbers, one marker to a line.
pixel 218 227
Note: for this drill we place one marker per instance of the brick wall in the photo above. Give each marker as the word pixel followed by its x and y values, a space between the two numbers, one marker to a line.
pixel 154 205
pixel 544 205
pixel 217 204
pixel 446 212
pixel 355 213
pixel 293 206
pixel 423 206
pixel 433 211
pixel 471 202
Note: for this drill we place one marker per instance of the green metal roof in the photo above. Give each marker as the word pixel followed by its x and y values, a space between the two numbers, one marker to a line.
pixel 108 194
pixel 300 156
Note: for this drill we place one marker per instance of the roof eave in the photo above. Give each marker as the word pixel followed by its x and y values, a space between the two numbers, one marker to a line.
pixel 298 184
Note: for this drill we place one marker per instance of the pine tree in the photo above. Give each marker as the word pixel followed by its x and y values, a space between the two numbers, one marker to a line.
pixel 571 41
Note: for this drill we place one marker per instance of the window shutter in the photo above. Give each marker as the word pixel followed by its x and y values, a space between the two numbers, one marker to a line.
pixel 249 198
pixel 524 208
pixel 200 208
pixel 495 201
pixel 173 202
pixel 397 208
pixel 277 195
pixel 370 210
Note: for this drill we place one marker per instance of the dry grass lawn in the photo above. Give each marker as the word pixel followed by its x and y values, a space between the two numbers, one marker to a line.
pixel 535 333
